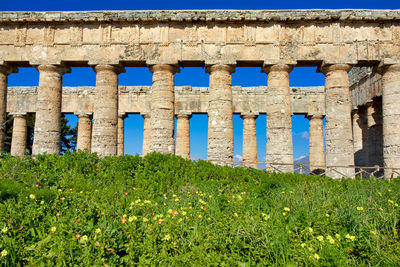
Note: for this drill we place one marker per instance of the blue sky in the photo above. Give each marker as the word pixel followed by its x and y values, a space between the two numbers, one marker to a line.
pixel 192 76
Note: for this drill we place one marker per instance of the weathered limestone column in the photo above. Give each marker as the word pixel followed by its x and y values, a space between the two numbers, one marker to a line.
pixel 391 116
pixel 360 137
pixel 121 130
pixel 183 134
pixel 5 70
pixel 220 125
pixel 249 139
pixel 84 131
pixel 375 138
pixel 105 117
pixel 338 130
pixel 279 117
pixel 18 141
pixel 162 109
pixel 316 143
pixel 46 138
pixel 146 133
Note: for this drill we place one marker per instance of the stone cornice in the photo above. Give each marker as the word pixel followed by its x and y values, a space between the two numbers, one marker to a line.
pixel 202 15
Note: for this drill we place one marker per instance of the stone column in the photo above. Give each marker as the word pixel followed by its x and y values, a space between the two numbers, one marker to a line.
pixel 105 117
pixel 5 70
pixel 338 130
pixel 183 134
pixel 162 109
pixel 48 109
pixel 279 117
pixel 84 131
pixel 375 138
pixel 146 133
pixel 316 143
pixel 121 131
pixel 220 125
pixel 249 139
pixel 360 137
pixel 391 117
pixel 18 141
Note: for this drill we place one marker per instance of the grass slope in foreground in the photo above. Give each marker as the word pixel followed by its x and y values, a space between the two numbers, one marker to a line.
pixel 164 210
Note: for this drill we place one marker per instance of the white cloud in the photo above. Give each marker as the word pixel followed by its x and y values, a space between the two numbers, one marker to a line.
pixel 238 158
pixel 301 157
pixel 304 135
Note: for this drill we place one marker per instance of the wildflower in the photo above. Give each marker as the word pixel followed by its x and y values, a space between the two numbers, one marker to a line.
pixel 36 185
pixel 77 221
pixel 200 216
pixel 83 239
pixel 102 213
pixel 145 219
pixel 235 214
pixel 124 216
pixel 132 218
pixel 327 215
pixel 183 213
pixel 176 199
pixel 58 214
pixel 53 230
pixel 167 237
pixel 175 212
pixel 283 192
pixel 320 238
pixel 62 198
pixel 316 256
pixel 239 197
pixel 310 230
pixel 180 219
pixel 147 202
pixel 286 209
pixel 41 202
pixel 4 253
pixel 284 213
pixel 97 244
pixel 396 205
pixel 174 196
pixel 360 208
pixel 102 226
pixel 303 245
pixel 169 211
pixel 202 202
pixel 32 196
pixel 123 221
pixel 98 231
pixel 160 222
pixel 133 188
pixel 391 201
pixel 350 237
pixel 126 193
pixel 330 239
pixel 351 250
pixel 77 236
pixel 4 229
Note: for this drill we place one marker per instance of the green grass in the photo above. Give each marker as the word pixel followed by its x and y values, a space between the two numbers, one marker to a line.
pixel 78 209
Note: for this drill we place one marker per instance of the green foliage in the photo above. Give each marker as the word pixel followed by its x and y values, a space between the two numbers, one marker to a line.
pixel 78 209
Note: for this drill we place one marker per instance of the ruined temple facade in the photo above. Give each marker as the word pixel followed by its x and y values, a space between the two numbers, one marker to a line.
pixel 362 120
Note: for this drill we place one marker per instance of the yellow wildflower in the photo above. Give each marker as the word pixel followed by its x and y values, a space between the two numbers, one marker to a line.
pixel 235 214
pixel 284 213
pixel 200 216
pixel 320 238
pixel 132 218
pixel 169 211
pixel 330 239
pixel 303 245
pixel 286 209
pixel 124 216
pixel 360 208
pixel 98 230
pixel 53 229
pixel 183 213
pixel 32 196
pixel 310 230
pixel 4 253
pixel 83 239
pixel 316 256
pixel 167 237
pixel 145 219
pixel 327 215
pixel 350 237
pixel 4 229
pixel 41 202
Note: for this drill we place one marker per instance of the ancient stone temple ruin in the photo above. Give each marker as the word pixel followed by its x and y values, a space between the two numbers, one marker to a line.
pixel 362 117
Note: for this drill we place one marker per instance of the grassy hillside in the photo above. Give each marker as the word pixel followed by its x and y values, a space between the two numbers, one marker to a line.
pixel 164 210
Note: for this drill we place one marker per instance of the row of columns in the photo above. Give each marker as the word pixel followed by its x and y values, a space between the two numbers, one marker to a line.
pixel 106 136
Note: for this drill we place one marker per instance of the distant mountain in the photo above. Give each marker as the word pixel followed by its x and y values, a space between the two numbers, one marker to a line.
pixel 302 160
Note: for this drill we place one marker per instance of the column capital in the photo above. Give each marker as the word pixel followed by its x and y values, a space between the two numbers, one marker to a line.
pixel 60 69
pixel 315 116
pixel 145 115
pixel 83 114
pixel 220 67
pixel 276 67
pixel 18 114
pixel 249 115
pixel 325 68
pixel 122 115
pixel 164 67
pixel 117 68
pixel 7 69
pixel 383 68
pixel 184 114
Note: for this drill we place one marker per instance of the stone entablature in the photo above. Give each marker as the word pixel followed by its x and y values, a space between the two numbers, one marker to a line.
pixel 247 38
pixel 136 99
pixel 365 84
